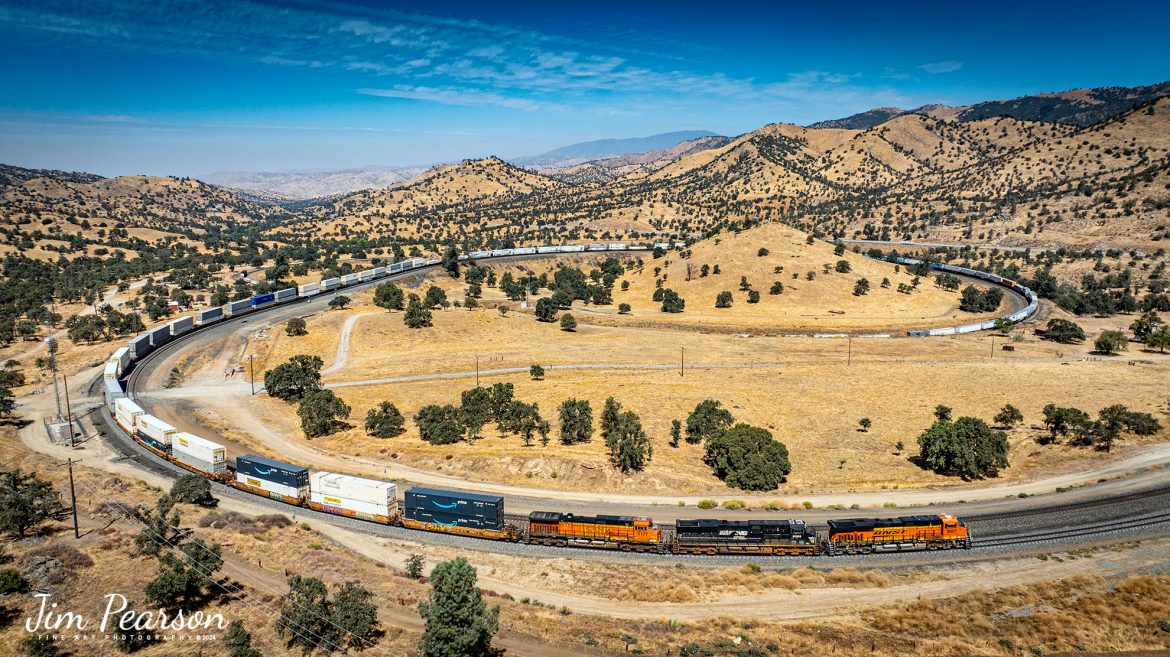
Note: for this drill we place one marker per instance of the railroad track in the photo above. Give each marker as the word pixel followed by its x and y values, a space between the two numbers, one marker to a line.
pixel 1123 521
pixel 1140 496
pixel 994 547
pixel 1080 532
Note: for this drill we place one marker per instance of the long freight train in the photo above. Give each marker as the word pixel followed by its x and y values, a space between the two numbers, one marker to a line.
pixel 482 516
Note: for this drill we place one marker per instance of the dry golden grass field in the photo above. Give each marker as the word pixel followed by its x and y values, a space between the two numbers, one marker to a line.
pixel 809 392
pixel 826 302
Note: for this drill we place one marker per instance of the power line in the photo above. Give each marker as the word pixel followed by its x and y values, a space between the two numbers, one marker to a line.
pixel 161 540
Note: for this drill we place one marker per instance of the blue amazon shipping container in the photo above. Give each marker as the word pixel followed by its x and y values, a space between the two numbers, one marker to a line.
pixel 277 472
pixel 453 503
pixel 452 520
pixel 263 299
pixel 153 443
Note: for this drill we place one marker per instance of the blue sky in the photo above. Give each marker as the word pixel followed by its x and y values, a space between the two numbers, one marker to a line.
pixel 187 88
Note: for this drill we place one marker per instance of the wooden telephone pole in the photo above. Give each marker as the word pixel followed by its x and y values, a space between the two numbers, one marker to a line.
pixel 73 496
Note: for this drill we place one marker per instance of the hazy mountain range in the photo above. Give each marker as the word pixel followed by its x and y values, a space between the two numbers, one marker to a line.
pixel 607 148
pixel 301 185
pixel 304 185
pixel 913 175
pixel 604 161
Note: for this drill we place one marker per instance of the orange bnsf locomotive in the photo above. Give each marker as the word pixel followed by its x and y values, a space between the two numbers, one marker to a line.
pixel 627 533
pixel 937 532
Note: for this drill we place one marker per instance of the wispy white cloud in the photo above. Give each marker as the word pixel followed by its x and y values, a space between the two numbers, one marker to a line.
pixel 892 73
pixel 410 55
pixel 948 66
pixel 456 96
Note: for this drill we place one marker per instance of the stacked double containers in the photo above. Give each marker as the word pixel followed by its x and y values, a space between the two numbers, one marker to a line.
pixel 209 315
pixel 182 325
pixel 280 481
pixel 121 358
pixel 127 413
pixel 263 300
pixel 446 510
pixel 160 336
pixel 157 434
pixel 354 497
pixel 199 454
pixel 240 307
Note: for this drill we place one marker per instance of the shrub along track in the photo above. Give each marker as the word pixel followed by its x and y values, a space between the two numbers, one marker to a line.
pixel 1026 529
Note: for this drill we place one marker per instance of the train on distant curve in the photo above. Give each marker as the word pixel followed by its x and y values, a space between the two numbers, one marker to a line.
pixel 1016 317
pixel 482 516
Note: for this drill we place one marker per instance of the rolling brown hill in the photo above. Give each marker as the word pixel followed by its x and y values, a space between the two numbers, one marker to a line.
pixel 438 204
pixel 912 176
pixel 49 213
pixel 1079 107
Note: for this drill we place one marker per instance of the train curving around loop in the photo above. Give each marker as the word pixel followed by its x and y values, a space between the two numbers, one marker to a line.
pixel 1015 318
pixel 482 516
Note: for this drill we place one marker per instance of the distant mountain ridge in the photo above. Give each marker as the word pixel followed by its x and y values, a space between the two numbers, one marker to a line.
pixel 607 148
pixel 610 169
pixel 12 175
pixel 1079 107
pixel 862 120
pixel 304 185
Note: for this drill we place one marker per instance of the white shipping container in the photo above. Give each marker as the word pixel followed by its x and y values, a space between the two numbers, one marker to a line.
pixel 366 274
pixel 271 487
pixel 125 411
pixel 200 448
pixel 111 373
pixel 349 279
pixel 122 358
pixel 353 488
pixel 308 289
pixel 113 391
pixel 352 505
pixel 199 464
pixel 330 283
pixel 155 428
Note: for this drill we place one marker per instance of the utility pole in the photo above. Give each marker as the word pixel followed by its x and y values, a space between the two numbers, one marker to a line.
pixel 73 496
pixel 52 344
pixel 682 361
pixel 849 356
pixel 68 409
pixel 251 373
pixel 993 345
pixel 477 371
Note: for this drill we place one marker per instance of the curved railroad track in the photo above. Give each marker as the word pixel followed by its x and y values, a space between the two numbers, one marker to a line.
pixel 1040 527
